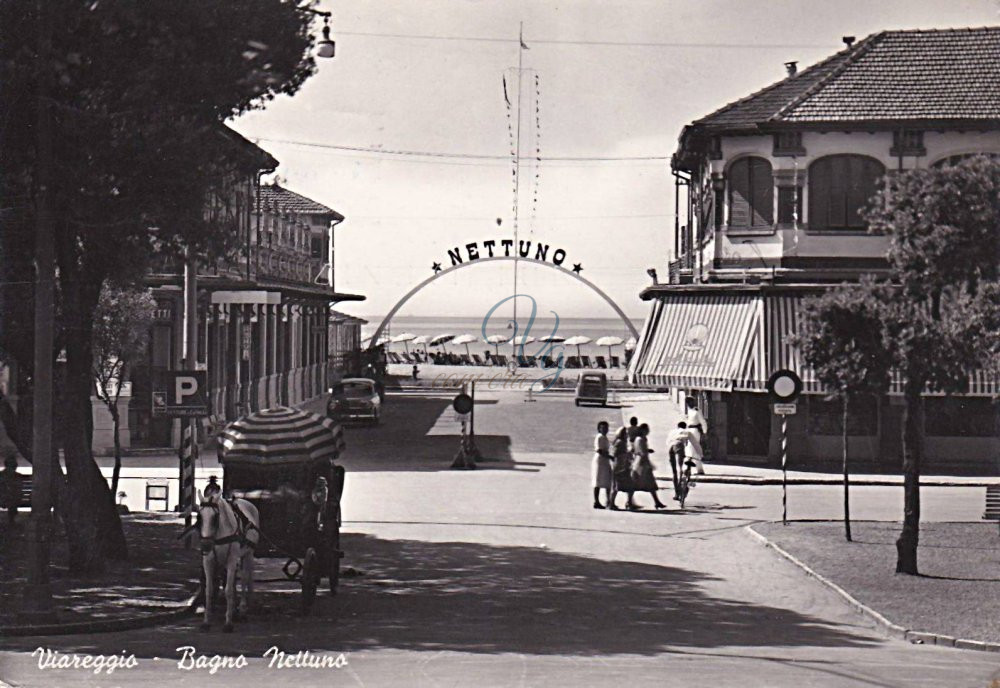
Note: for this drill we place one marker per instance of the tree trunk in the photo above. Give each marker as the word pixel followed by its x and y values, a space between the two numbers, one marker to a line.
pixel 847 476
pixel 913 428
pixel 115 420
pixel 93 525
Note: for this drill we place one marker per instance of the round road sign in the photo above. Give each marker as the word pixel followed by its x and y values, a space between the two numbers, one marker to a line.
pixel 462 404
pixel 784 385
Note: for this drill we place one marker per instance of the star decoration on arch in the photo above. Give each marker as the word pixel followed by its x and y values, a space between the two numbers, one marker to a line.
pixel 577 268
pixel 436 267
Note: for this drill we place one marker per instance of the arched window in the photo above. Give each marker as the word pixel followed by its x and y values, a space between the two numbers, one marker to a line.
pixel 751 193
pixel 952 160
pixel 839 189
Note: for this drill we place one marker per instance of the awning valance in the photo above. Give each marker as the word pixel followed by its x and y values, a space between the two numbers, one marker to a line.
pixel 734 341
pixel 701 341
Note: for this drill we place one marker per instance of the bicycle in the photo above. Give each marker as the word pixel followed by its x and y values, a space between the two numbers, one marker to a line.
pixel 684 483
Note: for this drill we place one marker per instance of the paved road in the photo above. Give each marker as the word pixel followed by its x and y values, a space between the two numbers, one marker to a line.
pixel 505 576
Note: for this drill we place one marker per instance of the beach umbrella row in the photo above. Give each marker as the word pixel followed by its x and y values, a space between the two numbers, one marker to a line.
pixel 496 340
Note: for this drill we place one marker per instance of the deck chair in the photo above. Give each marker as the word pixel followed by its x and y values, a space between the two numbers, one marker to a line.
pixel 476 360
pixel 572 362
pixel 616 362
pixel 466 360
pixel 585 360
pixel 501 359
pixel 547 362
pixel 600 362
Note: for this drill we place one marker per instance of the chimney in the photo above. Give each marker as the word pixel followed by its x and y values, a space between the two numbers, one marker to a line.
pixel 848 41
pixel 792 68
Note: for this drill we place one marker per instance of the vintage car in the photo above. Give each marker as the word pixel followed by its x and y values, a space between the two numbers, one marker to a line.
pixel 355 398
pixel 592 388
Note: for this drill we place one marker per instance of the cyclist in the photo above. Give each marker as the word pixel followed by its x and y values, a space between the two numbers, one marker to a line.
pixel 676 440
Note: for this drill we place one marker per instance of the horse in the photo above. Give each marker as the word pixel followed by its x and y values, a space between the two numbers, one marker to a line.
pixel 227 541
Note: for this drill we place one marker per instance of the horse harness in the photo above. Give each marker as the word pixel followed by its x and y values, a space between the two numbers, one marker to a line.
pixel 243 526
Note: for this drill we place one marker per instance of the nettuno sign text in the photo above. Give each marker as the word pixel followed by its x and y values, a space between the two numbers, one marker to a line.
pixel 493 248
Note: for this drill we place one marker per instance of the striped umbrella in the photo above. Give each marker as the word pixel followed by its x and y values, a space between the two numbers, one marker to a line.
pixel 279 436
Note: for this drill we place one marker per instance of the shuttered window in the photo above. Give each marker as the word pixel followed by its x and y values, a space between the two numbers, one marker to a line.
pixel 751 193
pixel 840 187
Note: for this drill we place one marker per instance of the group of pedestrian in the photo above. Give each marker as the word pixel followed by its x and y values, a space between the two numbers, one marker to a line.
pixel 622 464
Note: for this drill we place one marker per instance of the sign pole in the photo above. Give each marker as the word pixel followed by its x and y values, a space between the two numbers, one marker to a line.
pixel 189 434
pixel 784 471
pixel 784 386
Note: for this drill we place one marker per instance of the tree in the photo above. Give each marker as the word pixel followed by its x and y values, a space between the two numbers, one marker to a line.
pixel 942 317
pixel 842 338
pixel 139 94
pixel 121 332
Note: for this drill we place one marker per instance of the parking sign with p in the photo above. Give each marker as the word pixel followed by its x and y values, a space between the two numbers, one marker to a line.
pixel 181 393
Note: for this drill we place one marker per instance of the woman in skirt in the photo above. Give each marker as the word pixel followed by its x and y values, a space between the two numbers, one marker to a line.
pixel 642 467
pixel 602 465
pixel 622 469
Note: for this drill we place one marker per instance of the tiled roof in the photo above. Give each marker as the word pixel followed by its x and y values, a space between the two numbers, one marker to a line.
pixel 284 200
pixel 936 75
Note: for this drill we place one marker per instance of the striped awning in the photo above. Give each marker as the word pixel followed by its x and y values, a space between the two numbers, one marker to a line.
pixel 701 341
pixel 280 436
pixel 783 315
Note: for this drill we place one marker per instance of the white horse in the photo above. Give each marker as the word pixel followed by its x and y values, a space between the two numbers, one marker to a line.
pixel 228 542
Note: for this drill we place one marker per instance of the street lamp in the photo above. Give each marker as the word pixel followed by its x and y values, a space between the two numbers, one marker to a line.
pixel 325 48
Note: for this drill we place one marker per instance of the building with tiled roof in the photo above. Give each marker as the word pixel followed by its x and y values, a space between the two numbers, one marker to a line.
pixel 772 191
pixel 281 200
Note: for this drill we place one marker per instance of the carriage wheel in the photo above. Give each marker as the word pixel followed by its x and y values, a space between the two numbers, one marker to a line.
pixel 310 579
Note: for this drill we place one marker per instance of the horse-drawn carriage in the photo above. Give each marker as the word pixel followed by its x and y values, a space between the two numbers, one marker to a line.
pixel 279 470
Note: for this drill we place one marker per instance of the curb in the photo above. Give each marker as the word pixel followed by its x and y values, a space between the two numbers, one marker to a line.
pixel 893 630
pixel 738 480
pixel 103 626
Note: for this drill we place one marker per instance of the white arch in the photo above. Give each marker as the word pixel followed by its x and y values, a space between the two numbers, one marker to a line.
pixel 570 273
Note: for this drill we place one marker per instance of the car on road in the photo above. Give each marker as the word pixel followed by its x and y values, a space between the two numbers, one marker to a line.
pixel 592 388
pixel 355 398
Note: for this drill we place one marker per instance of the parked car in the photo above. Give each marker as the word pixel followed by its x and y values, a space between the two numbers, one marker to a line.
pixel 355 398
pixel 592 388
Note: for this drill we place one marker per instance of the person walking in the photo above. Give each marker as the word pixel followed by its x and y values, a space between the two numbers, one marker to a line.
pixel 697 427
pixel 621 469
pixel 602 474
pixel 633 431
pixel 642 468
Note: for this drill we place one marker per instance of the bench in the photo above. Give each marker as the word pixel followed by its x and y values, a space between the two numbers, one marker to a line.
pixel 992 512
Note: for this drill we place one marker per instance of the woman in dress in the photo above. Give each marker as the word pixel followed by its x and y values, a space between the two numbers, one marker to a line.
pixel 602 465
pixel 622 469
pixel 642 468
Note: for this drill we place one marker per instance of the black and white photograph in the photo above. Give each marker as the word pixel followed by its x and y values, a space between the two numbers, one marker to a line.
pixel 500 343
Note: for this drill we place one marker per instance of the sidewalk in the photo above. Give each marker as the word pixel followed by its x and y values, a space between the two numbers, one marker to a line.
pixel 661 407
pixel 154 586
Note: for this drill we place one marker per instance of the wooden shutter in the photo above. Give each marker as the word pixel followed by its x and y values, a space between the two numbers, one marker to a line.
pixel 739 193
pixel 761 192
pixel 819 194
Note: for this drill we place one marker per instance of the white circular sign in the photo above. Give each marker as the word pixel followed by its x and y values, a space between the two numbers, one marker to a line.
pixel 784 387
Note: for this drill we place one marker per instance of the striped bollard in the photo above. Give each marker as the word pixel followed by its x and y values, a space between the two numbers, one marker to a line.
pixel 188 452
pixel 784 472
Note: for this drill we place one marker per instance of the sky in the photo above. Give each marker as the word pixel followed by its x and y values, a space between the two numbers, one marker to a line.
pixel 611 79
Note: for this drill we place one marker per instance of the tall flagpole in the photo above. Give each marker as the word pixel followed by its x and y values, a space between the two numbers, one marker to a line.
pixel 517 176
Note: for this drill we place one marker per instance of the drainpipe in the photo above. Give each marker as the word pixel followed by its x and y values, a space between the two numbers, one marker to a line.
pixel 260 173
pixel 333 224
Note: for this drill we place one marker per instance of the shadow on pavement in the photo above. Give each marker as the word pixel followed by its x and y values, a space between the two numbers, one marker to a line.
pixel 457 596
